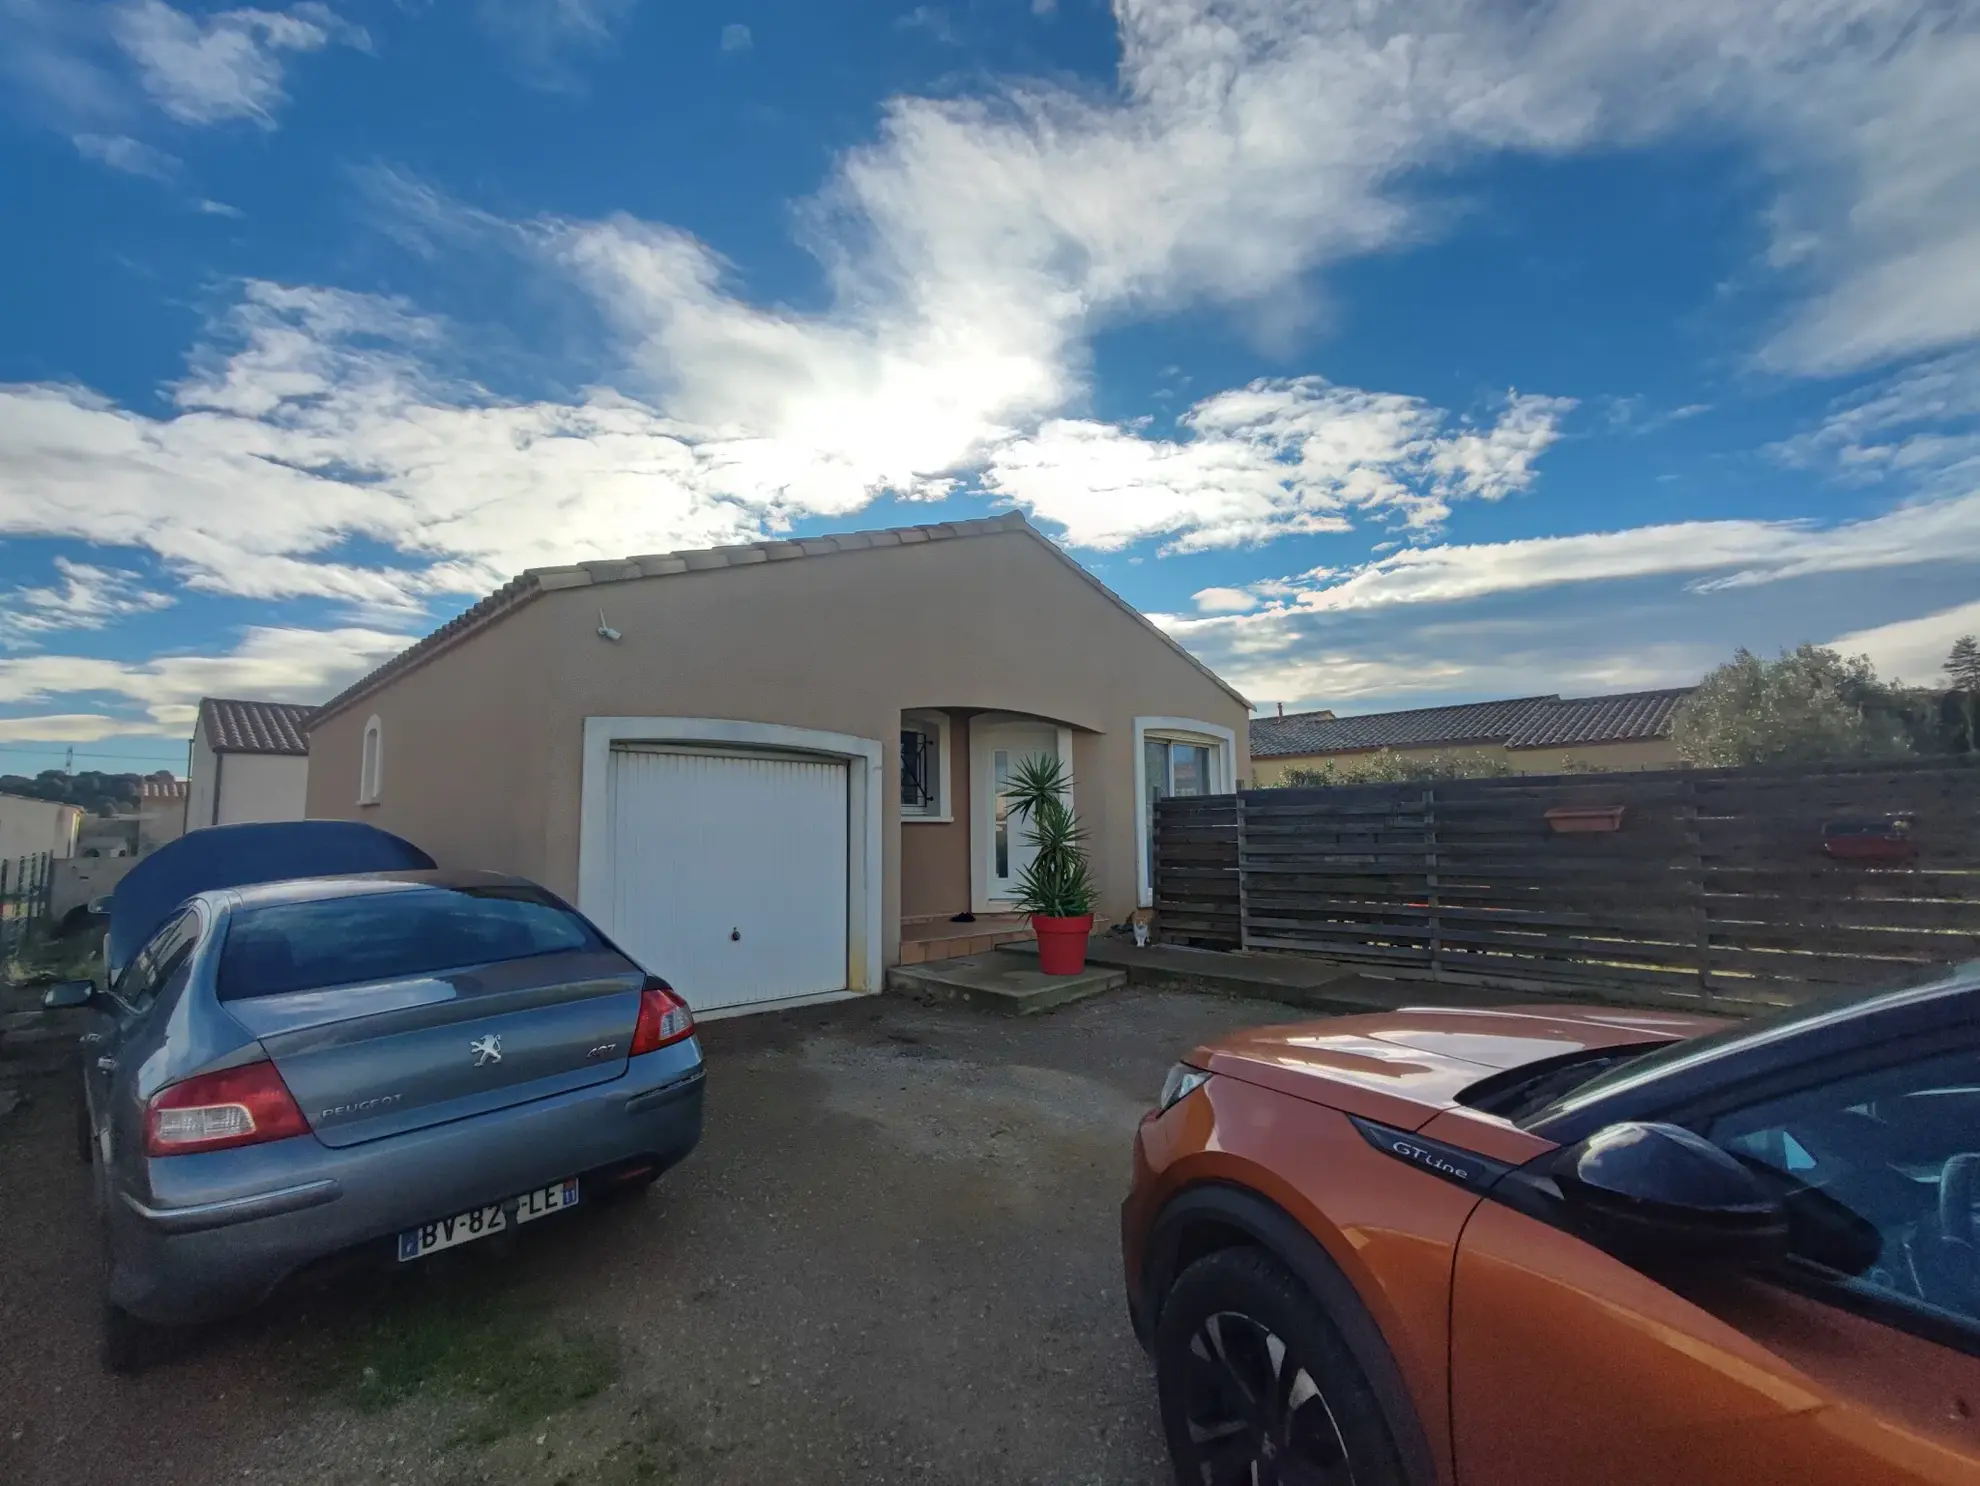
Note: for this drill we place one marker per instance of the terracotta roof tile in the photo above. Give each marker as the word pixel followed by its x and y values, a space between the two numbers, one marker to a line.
pixel 1521 722
pixel 1422 727
pixel 234 726
pixel 1628 716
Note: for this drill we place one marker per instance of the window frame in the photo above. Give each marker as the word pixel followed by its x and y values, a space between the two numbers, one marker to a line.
pixel 137 989
pixel 1931 1022
pixel 371 761
pixel 1887 1308
pixel 935 726
pixel 1222 743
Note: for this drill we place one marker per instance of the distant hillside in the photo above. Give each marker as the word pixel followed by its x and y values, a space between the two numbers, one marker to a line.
pixel 99 794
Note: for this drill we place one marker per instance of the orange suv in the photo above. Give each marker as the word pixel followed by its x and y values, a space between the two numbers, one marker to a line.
pixel 1570 1245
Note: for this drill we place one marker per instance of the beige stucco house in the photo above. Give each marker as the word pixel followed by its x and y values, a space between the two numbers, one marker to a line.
pixel 250 762
pixel 760 767
pixel 1528 735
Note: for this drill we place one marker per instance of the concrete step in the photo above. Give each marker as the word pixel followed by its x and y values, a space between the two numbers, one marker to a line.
pixel 1001 983
pixel 1292 980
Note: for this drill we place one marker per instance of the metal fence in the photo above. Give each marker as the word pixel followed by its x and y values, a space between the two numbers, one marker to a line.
pixel 24 887
pixel 1732 885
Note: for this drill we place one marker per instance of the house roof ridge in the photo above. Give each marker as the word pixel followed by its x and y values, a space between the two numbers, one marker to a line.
pixel 595 572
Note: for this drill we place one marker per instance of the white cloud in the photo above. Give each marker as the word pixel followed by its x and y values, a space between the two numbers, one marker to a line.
pixel 971 251
pixel 1922 422
pixel 1712 555
pixel 133 157
pixel 1224 600
pixel 1272 458
pixel 932 20
pixel 209 69
pixel 541 35
pixel 736 37
pixel 1914 650
pixel 318 424
pixel 69 727
pixel 284 665
pixel 86 598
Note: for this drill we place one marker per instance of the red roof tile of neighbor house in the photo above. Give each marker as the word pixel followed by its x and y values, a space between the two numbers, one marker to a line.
pixel 233 726
pixel 1522 722
pixel 535 582
pixel 161 789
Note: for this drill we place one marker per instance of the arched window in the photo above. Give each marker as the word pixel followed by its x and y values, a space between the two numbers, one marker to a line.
pixel 371 764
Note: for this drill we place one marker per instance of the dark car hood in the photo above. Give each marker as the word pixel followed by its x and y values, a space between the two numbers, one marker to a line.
pixel 1401 1067
pixel 233 856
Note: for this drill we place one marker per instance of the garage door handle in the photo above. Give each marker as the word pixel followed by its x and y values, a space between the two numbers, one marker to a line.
pixel 735 936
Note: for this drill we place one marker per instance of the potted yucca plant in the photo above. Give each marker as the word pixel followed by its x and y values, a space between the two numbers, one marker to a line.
pixel 1056 890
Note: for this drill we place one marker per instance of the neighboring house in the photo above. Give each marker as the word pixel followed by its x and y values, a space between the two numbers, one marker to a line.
pixel 250 762
pixel 751 765
pixel 108 836
pixel 1533 735
pixel 162 811
pixel 29 827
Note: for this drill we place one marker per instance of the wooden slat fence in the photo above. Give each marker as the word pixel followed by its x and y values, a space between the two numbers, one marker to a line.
pixel 1716 886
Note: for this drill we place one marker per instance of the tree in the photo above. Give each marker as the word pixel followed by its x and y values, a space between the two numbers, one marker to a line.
pixel 1808 706
pixel 1963 665
pixel 1387 766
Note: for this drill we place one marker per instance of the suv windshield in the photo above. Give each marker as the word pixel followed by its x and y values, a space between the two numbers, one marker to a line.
pixel 386 936
pixel 1764 1027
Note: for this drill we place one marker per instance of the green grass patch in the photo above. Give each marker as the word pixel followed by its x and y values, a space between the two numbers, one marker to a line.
pixel 512 1370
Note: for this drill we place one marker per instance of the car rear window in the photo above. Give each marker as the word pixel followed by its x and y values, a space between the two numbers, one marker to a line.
pixel 283 947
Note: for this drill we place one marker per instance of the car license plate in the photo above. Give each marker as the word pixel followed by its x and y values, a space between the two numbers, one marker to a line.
pixel 479 1222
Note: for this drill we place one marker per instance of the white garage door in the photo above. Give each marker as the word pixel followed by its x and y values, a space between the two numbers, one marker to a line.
pixel 729 872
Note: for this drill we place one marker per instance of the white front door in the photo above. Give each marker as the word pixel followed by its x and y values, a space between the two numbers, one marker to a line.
pixel 729 872
pixel 1004 844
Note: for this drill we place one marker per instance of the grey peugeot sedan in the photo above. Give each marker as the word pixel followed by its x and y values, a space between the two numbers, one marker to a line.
pixel 392 1063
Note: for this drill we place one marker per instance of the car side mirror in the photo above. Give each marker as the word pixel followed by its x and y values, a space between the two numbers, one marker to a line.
pixel 69 995
pixel 1663 1192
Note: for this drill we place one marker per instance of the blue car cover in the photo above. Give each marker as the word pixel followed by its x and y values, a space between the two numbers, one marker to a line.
pixel 232 856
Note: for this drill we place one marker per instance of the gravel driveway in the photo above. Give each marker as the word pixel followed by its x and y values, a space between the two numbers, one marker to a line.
pixel 894 1258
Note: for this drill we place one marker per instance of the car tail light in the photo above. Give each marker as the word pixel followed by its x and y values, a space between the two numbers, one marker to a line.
pixel 663 1018
pixel 215 1111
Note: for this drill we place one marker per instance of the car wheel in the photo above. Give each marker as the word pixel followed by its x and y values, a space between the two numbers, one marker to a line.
pixel 1258 1387
pixel 128 1344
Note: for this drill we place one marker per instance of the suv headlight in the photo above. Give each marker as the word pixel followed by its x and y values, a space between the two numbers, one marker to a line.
pixel 1182 1081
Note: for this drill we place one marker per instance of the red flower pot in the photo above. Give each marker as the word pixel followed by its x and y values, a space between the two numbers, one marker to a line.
pixel 1062 943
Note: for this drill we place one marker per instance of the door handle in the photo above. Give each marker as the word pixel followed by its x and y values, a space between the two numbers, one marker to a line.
pixel 107 1065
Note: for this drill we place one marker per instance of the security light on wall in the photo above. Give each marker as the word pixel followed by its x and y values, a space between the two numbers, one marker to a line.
pixel 605 631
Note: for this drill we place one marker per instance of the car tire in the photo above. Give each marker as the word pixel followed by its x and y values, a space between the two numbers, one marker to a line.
pixel 1255 1381
pixel 128 1344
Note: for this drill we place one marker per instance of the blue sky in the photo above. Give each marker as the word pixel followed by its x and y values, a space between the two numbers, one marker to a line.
pixel 1389 353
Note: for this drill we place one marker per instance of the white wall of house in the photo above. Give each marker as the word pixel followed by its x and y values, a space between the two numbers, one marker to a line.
pixel 29 827
pixel 248 786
